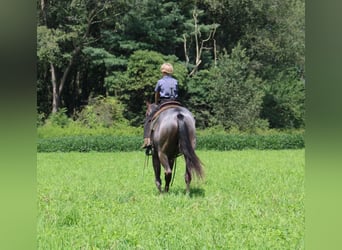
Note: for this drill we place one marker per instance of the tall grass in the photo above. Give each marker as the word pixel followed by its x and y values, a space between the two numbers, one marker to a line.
pixel 75 129
pixel 249 200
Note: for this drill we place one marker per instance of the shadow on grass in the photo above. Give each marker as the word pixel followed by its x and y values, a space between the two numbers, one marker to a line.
pixel 197 192
pixel 194 192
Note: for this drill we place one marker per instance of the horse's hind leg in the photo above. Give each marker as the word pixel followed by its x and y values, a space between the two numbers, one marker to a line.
pixel 168 176
pixel 156 167
pixel 168 170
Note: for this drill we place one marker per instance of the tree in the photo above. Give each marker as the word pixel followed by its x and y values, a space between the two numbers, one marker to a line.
pixel 236 91
pixel 271 31
pixel 64 29
pixel 283 103
pixel 275 41
pixel 150 25
pixel 198 97
pixel 101 57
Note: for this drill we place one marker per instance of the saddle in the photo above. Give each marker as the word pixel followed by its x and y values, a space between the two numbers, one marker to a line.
pixel 164 106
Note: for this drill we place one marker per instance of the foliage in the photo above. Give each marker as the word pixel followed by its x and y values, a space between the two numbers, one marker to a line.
pixel 100 56
pixel 275 38
pixel 78 129
pixel 243 142
pixel 249 200
pixel 101 112
pixel 89 143
pixel 283 104
pixel 40 119
pixel 208 142
pixel 236 91
pixel 59 118
pixel 151 25
pixel 64 29
pixel 271 31
pixel 198 98
pixel 94 48
pixel 48 48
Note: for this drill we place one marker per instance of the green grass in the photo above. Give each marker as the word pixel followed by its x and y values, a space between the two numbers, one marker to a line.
pixel 249 200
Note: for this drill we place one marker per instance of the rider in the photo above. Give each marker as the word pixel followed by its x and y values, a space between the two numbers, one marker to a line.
pixel 166 90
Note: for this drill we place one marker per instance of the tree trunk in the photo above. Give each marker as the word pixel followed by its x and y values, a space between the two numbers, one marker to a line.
pixel 57 86
pixel 200 44
pixel 185 51
pixel 67 69
pixel 55 94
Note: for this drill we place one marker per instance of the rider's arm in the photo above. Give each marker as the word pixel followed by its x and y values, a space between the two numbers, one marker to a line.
pixel 156 97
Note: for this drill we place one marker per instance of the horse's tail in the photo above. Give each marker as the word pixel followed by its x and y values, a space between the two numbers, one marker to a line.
pixel 192 161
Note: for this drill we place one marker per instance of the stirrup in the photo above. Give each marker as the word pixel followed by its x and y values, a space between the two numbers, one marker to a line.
pixel 148 150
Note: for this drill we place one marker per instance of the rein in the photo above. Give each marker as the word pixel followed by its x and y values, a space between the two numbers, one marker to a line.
pixel 145 164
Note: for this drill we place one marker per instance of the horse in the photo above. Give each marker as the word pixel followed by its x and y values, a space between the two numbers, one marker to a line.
pixel 172 135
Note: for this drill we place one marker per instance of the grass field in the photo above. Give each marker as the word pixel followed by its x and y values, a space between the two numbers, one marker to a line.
pixel 249 200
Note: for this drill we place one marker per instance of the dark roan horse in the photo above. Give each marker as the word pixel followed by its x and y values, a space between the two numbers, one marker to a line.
pixel 173 134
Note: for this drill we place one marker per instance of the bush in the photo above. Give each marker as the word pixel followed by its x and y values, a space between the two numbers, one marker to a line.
pixel 204 142
pixel 89 143
pixel 40 119
pixel 240 142
pixel 101 112
pixel 78 129
pixel 59 118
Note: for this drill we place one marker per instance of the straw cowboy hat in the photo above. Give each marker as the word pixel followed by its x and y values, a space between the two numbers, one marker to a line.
pixel 166 68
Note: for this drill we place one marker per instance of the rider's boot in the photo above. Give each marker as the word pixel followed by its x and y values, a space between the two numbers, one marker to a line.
pixel 147 143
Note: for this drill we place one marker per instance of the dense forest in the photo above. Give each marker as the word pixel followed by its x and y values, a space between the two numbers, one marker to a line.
pixel 239 63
